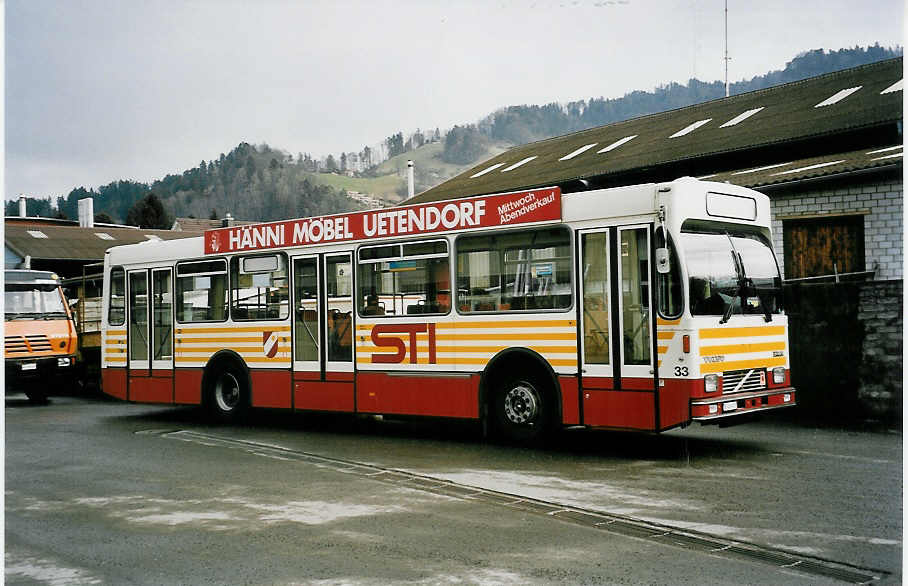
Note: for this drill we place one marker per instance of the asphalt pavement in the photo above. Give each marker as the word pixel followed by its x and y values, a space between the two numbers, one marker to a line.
pixel 102 492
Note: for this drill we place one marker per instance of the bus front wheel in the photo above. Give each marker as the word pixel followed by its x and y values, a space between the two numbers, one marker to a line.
pixel 521 410
pixel 228 394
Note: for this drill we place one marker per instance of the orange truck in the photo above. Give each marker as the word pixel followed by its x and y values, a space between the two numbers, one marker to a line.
pixel 40 334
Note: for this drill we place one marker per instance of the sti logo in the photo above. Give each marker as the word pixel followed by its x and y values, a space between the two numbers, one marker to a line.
pixel 388 336
pixel 215 241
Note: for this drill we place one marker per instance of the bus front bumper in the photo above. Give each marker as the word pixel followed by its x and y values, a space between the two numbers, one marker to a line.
pixel 723 407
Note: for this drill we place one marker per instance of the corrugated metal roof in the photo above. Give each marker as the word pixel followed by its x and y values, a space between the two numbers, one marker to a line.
pixel 74 243
pixel 811 167
pixel 848 101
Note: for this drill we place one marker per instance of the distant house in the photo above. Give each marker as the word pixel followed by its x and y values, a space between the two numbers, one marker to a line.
pixel 200 225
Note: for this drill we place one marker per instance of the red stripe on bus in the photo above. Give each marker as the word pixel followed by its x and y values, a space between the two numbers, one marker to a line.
pixel 570 400
pixel 323 395
pixel 440 396
pixel 113 382
pixel 146 389
pixel 271 388
pixel 188 386
pixel 619 409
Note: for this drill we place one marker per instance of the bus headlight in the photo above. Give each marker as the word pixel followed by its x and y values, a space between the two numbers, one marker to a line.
pixel 778 375
pixel 712 382
pixel 65 361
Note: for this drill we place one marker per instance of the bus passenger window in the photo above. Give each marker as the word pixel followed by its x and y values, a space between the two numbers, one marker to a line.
pixel 339 287
pixel 116 313
pixel 404 279
pixel 201 291
pixel 595 275
pixel 260 288
pixel 528 270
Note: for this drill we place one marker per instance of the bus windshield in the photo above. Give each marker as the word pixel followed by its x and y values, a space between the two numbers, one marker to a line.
pixel 717 284
pixel 30 301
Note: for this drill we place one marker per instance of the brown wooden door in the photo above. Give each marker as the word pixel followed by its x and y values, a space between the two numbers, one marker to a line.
pixel 823 246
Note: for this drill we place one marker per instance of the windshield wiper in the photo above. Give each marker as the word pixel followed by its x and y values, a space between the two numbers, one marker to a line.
pixel 743 281
pixel 739 274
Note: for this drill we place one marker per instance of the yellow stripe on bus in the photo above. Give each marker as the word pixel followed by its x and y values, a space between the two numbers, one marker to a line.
pixel 256 339
pixel 420 348
pixel 667 322
pixel 231 329
pixel 742 332
pixel 741 348
pixel 239 350
pixel 711 367
pixel 665 335
pixel 662 349
pixel 498 324
pixel 471 361
pixel 276 360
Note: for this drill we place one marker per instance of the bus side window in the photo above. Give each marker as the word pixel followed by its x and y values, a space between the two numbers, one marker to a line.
pixel 527 270
pixel 201 291
pixel 260 287
pixel 404 279
pixel 116 313
pixel 668 285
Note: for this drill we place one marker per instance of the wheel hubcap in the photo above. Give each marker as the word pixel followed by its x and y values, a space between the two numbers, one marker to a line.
pixel 520 404
pixel 227 392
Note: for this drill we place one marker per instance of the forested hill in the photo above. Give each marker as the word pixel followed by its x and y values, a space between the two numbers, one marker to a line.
pixel 250 182
pixel 262 183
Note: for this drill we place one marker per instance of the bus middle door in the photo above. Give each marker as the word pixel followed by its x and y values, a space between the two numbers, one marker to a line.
pixel 618 383
pixel 323 333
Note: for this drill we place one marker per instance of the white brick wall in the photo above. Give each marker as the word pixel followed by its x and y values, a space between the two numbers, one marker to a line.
pixel 883 224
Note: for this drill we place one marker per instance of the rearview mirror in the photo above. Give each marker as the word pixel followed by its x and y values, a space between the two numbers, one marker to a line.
pixel 662 264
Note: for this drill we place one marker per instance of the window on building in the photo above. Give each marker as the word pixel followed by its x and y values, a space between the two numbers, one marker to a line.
pixel 823 246
pixel 404 279
pixel 260 287
pixel 515 271
pixel 202 291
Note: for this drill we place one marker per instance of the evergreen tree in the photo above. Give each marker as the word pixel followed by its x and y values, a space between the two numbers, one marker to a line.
pixel 149 213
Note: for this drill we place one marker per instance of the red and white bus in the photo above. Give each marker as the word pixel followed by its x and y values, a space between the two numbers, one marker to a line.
pixel 640 308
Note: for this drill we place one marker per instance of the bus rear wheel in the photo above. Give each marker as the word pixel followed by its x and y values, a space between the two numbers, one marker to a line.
pixel 228 394
pixel 521 410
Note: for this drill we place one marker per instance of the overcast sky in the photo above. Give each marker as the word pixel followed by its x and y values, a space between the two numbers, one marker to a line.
pixel 134 89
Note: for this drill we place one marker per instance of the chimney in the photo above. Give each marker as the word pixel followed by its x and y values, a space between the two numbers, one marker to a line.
pixel 410 185
pixel 87 213
pixel 227 221
pixel 22 212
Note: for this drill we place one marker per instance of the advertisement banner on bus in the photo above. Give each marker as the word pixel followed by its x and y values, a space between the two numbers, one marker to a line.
pixel 525 207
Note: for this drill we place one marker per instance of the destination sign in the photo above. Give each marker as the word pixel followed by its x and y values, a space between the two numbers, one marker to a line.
pixel 489 211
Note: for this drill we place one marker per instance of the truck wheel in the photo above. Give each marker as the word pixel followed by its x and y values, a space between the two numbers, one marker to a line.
pixel 521 410
pixel 227 396
pixel 37 396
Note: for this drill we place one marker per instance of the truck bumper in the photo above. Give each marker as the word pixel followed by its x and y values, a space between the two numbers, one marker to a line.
pixel 21 371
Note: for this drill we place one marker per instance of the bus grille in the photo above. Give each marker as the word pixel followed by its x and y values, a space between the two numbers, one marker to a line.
pixel 740 381
pixel 26 344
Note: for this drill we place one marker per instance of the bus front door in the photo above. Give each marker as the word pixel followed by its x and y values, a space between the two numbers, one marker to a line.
pixel 150 337
pixel 617 377
pixel 323 333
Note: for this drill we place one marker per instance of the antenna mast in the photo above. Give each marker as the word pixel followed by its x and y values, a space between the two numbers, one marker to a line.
pixel 726 48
